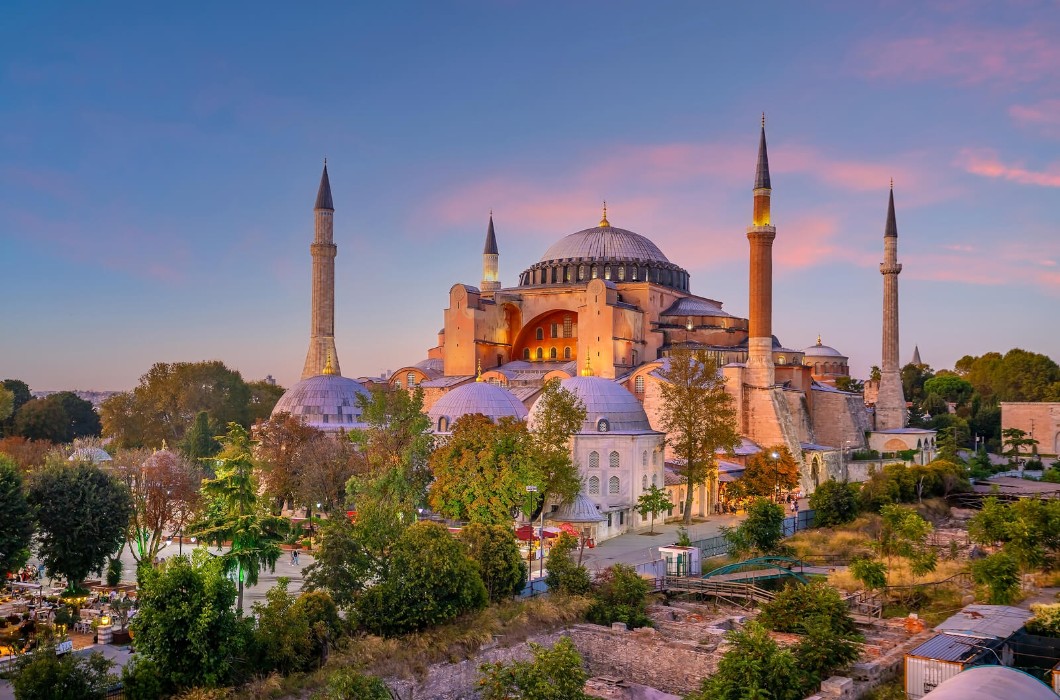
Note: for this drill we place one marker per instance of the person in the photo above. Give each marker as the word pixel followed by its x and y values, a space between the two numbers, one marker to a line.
pixel 294 557
pixel 795 507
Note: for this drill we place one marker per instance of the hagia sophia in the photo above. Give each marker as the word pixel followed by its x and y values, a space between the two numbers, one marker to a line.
pixel 601 310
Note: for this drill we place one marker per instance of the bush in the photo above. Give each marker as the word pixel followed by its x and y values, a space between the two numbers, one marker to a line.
pixel 620 595
pixel 494 549
pixel 564 575
pixel 141 679
pixel 325 626
pixel 1046 620
pixel 834 503
pixel 754 667
pixel 282 639
pixel 824 650
pixel 798 603
pixel 114 570
pixel 347 684
pixel 45 676
pixel 760 533
pixel 553 674
pixel 1000 573
pixel 871 573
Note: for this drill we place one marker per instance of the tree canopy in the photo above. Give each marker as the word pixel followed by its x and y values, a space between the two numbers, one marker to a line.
pixel 768 476
pixel 558 414
pixel 397 440
pixel 60 417
pixel 16 519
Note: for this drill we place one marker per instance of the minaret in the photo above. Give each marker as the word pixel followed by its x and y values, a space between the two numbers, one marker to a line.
pixel 760 235
pixel 322 357
pixel 916 356
pixel 490 261
pixel 890 404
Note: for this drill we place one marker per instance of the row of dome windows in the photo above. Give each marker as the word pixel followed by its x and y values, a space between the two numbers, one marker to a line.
pixel 614 460
pixel 830 368
pixel 557 274
pixel 614 485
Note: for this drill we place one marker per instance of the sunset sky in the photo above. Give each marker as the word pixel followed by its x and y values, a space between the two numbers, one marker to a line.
pixel 158 167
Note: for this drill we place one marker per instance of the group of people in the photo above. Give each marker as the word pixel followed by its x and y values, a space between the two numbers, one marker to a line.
pixel 28 574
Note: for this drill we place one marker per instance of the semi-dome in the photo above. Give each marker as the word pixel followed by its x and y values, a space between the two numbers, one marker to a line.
pixel 604 243
pixel 325 402
pixel 820 350
pixel 493 401
pixel 609 407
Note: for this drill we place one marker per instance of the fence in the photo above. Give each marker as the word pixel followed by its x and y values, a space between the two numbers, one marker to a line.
pixel 718 546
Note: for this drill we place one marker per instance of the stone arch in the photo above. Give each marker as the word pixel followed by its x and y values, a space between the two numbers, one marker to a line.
pixel 527 336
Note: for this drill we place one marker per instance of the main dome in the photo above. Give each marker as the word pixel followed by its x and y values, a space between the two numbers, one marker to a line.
pixel 604 243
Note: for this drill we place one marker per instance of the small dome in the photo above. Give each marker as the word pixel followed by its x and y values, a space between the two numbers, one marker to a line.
pixel 605 243
pixel 609 407
pixel 158 456
pixel 325 402
pixel 819 350
pixel 95 455
pixel 493 401
pixel 580 510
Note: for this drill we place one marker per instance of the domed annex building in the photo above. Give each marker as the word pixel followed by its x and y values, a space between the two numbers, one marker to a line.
pixel 493 401
pixel 612 297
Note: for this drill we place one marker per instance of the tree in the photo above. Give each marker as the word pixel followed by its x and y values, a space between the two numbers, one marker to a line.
pixel 698 416
pixel 1029 529
pixel 564 574
pixel 325 465
pixel 199 442
pixel 169 397
pixel 760 533
pixel 1000 573
pixel 165 493
pixel 652 502
pixel 20 394
pixel 796 605
pixel 7 403
pixel 233 513
pixel 42 419
pixel 903 533
pixel 834 503
pixel 875 374
pixel 16 519
pixel 500 564
pixel 263 398
pixel 753 668
pixel 186 624
pixel 82 513
pixel 82 419
pixel 482 471
pixel 398 439
pixel 822 651
pixel 553 674
pixel 768 476
pixel 279 441
pixel 1014 440
pixel 620 595
pixel 950 387
pixel 282 639
pixel 872 573
pixel 558 415
pixel 430 580
pixel 346 683
pixel 850 384
pixel 47 676
pixel 325 626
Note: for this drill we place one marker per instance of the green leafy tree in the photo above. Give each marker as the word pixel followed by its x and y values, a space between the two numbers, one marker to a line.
pixel 903 533
pixel 141 679
pixel 767 476
pixel 263 398
pixel 7 404
pixel 325 626
pixel 233 514
pixel 834 503
pixel 495 550
pixel 1014 441
pixel 199 442
pixel 82 419
pixel 282 639
pixel 82 513
pixel 552 674
pixel 326 467
pixel 872 573
pixel 482 471
pixel 950 387
pixel 186 624
pixel 1000 574
pixel 46 676
pixel 620 595
pixel 796 605
pixel 850 384
pixel 823 651
pixel 875 374
pixel 1045 620
pixel 20 394
pixel 760 533
pixel 753 668
pixel 652 502
pixel 564 574
pixel 42 419
pixel 698 416
pixel 558 415
pixel 397 440
pixel 1029 529
pixel 431 580
pixel 16 519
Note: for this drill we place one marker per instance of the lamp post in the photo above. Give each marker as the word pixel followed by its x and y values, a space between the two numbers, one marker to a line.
pixel 776 475
pixel 540 531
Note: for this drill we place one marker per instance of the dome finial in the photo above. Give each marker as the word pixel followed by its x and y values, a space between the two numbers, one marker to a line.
pixel 588 370
pixel 892 184
pixel 603 221
pixel 164 444
pixel 818 339
pixel 478 378
pixel 763 120
pixel 328 368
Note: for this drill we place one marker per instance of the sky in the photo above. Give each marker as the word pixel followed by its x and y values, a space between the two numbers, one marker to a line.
pixel 159 164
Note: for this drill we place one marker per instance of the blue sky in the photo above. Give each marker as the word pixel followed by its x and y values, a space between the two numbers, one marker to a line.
pixel 158 168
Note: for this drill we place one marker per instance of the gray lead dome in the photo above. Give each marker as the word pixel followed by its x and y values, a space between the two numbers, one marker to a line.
pixel 324 402
pixel 604 243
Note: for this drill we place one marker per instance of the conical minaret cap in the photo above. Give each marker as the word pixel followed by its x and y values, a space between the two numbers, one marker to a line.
pixel 762 172
pixel 491 240
pixel 892 225
pixel 324 192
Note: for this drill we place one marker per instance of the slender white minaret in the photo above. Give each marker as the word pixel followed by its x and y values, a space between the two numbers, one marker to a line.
pixel 490 261
pixel 322 351
pixel 890 404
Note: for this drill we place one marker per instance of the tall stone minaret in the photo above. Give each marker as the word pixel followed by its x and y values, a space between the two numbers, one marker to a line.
pixel 760 235
pixel 890 404
pixel 322 324
pixel 490 261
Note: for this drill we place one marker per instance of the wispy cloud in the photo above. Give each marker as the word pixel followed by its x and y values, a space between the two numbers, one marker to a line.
pixel 1044 115
pixel 1003 263
pixel 986 163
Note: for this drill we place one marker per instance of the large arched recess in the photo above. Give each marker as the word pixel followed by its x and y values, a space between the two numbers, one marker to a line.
pixel 527 339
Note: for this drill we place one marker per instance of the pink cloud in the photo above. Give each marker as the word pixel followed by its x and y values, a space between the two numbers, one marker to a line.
pixel 1044 115
pixel 966 54
pixel 985 163
pixel 1005 263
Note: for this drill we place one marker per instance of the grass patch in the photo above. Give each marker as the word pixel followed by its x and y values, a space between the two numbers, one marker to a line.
pixel 898 574
pixel 895 690
pixel 1047 579
pixel 846 541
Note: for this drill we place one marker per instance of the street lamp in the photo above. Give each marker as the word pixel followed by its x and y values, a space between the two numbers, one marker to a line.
pixel 776 474
pixel 540 530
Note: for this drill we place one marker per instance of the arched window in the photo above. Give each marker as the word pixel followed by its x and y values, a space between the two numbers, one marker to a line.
pixel 443 424
pixel 526 353
pixel 552 353
pixel 594 460
pixel 595 271
pixel 410 379
pixel 594 485
pixel 638 385
pixel 568 274
pixel 644 483
pixel 566 353
pixel 633 273
pixel 581 272
pixel 654 457
pixel 613 485
pixel 612 459
pixel 540 353
pixel 555 330
pixel 602 426
pixel 607 272
pixel 621 273
pixel 633 358
pixel 398 383
pixel 653 480
pixel 540 333
pixel 644 458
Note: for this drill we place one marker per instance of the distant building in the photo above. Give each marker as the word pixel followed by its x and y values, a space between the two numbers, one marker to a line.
pixel 1040 420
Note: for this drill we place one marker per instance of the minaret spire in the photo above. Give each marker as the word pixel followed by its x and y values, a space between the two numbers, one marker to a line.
pixel 490 260
pixel 322 354
pixel 890 403
pixel 760 236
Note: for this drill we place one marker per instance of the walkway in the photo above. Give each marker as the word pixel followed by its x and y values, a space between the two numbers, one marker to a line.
pixel 638 548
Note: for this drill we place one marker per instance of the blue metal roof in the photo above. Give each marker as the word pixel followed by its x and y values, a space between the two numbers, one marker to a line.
pixel 943 647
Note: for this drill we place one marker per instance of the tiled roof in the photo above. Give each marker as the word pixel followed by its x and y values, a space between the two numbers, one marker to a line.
pixel 694 306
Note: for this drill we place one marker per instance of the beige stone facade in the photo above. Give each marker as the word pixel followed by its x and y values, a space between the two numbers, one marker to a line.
pixel 1040 420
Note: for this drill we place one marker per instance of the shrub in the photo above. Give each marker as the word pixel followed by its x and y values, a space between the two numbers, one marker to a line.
pixel 494 549
pixel 348 684
pixel 620 595
pixel 553 674
pixel 1046 620
pixel 564 575
pixel 325 626
pixel 46 676
pixel 141 679
pixel 823 651
pixel 754 667
pixel 871 573
pixel 1000 573
pixel 760 533
pixel 114 570
pixel 834 503
pixel 798 603
pixel 281 638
